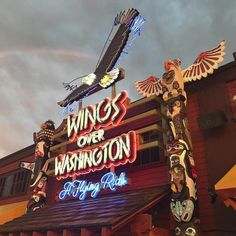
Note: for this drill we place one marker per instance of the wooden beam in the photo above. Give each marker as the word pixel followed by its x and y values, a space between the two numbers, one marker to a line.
pixel 140 147
pixel 149 128
pixel 106 231
pixel 150 145
pixel 153 112
pixel 139 131
pixel 144 100
pixel 131 105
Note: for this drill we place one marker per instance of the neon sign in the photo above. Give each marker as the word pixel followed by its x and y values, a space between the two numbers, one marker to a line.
pixel 80 188
pixel 115 152
pixel 105 113
pixel 94 152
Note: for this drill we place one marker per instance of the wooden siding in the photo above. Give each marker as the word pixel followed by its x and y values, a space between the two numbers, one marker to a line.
pixel 199 154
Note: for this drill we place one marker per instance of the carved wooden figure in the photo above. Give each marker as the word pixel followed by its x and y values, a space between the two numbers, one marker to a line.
pixel 184 204
pixel 43 141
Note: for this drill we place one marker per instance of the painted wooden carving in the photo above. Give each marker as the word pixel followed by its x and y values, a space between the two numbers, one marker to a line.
pixel 184 204
pixel 38 183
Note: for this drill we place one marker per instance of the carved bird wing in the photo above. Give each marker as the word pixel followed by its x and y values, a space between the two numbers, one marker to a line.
pixel 205 63
pixel 149 87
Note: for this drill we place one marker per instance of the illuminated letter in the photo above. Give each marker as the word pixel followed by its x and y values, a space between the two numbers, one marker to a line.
pixel 113 149
pixel 118 103
pixel 81 142
pixel 72 125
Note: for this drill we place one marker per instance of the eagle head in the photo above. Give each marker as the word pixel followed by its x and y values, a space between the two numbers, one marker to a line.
pixel 172 64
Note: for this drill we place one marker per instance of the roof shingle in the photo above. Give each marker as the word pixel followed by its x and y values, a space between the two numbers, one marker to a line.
pixel 106 210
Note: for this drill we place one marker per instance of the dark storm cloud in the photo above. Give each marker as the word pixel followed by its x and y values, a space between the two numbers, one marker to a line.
pixel 43 43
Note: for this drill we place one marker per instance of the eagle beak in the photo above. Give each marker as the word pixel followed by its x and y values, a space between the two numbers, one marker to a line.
pixel 167 65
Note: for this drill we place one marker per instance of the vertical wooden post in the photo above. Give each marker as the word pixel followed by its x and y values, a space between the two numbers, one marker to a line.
pixel 51 233
pixel 141 225
pixel 79 108
pixel 80 104
pixel 36 233
pixel 25 234
pixel 85 232
pixel 113 90
pixel 67 232
pixel 106 231
pixel 164 125
pixel 113 95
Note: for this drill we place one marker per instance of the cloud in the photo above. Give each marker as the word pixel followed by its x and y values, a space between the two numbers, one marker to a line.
pixel 44 43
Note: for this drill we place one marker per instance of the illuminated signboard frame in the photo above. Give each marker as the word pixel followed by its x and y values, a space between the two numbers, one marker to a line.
pixel 97 154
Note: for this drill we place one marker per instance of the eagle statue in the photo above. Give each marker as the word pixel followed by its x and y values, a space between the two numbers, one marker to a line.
pixel 171 87
pixel 105 74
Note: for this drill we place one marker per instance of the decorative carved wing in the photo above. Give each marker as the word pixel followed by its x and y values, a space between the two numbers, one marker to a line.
pixel 149 87
pixel 205 63
pixel 126 20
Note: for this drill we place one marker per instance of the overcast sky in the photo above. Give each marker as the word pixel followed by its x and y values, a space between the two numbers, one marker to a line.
pixel 47 42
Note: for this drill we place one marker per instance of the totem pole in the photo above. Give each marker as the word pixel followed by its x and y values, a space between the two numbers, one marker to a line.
pixel 184 202
pixel 38 183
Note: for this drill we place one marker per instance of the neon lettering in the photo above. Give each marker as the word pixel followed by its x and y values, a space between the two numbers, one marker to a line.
pixel 115 152
pixel 94 137
pixel 80 188
pixel 103 114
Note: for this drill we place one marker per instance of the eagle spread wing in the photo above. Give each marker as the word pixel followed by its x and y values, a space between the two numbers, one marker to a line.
pixel 205 63
pixel 129 21
pixel 126 20
pixel 149 87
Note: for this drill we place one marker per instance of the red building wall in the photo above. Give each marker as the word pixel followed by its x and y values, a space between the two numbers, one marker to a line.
pixel 214 149
pixel 206 208
pixel 8 169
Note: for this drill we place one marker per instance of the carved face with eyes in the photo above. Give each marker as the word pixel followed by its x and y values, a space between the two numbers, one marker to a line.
pixel 49 124
pixel 188 229
pixel 176 147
